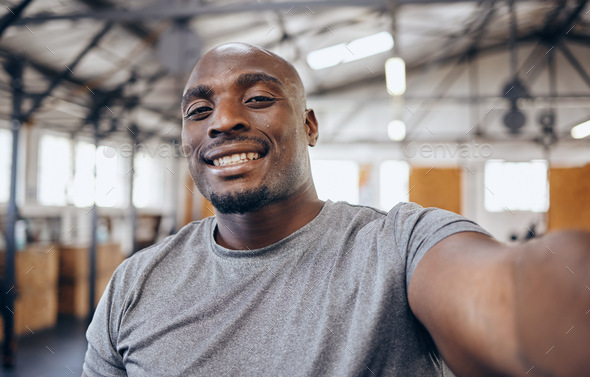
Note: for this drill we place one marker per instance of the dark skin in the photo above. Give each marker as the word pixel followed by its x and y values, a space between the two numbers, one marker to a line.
pixel 228 107
pixel 500 310
pixel 491 309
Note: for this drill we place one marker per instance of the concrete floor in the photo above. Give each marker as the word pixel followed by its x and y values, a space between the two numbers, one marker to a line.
pixel 55 352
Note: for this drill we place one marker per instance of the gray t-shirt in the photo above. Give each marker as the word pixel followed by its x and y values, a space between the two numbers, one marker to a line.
pixel 328 300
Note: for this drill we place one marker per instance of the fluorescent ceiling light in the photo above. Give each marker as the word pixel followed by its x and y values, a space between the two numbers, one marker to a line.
pixel 581 131
pixel 395 76
pixel 348 52
pixel 396 130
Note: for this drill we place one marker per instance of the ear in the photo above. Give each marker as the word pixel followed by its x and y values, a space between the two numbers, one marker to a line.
pixel 311 127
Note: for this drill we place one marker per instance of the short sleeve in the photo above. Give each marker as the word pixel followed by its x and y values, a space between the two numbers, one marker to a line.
pixel 102 357
pixel 422 228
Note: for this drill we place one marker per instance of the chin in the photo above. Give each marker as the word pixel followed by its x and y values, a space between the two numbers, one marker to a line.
pixel 243 202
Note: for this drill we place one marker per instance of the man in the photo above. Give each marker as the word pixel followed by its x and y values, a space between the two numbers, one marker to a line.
pixel 279 283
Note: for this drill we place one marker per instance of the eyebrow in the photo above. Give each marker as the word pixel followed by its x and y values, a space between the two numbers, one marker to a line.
pixel 243 80
pixel 199 91
pixel 249 79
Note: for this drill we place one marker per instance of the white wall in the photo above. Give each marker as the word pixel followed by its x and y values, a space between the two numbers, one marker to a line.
pixel 500 224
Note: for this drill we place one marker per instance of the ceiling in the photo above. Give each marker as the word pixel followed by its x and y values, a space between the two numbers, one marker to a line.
pixel 120 67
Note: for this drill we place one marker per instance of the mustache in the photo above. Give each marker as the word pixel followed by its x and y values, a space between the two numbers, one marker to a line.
pixel 232 140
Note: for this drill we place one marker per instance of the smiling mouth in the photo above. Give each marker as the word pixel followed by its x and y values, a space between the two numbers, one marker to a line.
pixel 236 158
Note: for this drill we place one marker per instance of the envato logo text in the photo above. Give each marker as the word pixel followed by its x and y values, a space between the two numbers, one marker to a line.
pixel 162 150
pixel 448 150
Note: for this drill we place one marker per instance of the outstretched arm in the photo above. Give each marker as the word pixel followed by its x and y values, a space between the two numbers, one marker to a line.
pixel 494 309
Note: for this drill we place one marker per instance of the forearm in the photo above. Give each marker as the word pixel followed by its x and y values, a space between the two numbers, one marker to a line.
pixel 552 304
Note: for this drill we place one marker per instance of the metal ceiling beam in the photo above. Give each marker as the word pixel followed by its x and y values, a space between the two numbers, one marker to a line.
pixel 568 99
pixel 360 18
pixel 132 101
pixel 171 12
pixel 103 5
pixel 9 18
pixel 552 36
pixel 168 12
pixel 572 18
pixel 40 67
pixel 66 72
pixel 574 62
pixel 480 98
pixel 501 46
pixel 538 56
pixel 480 30
pixel 344 121
pixel 129 103
pixel 383 142
pixel 443 86
pixel 49 72
pixel 579 38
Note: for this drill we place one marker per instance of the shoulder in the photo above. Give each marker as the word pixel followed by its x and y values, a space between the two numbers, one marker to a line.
pixel 405 220
pixel 352 211
pixel 401 213
pixel 410 213
pixel 411 221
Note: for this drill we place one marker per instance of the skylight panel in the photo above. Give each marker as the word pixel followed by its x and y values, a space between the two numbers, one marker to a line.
pixel 347 52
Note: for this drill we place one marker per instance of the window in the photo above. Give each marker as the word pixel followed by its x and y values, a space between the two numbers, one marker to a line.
pixel 5 164
pixel 516 186
pixel 54 169
pixel 336 180
pixel 58 187
pixel 83 188
pixel 148 181
pixel 394 177
pixel 110 180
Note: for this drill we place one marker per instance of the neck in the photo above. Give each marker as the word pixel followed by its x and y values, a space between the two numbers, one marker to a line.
pixel 267 225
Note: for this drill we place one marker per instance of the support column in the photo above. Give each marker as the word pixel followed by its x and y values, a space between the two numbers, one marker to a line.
pixel 94 224
pixel 15 70
pixel 132 209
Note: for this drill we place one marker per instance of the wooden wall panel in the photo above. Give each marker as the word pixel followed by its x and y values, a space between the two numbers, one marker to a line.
pixel 196 207
pixel 436 187
pixel 569 198
pixel 74 275
pixel 36 273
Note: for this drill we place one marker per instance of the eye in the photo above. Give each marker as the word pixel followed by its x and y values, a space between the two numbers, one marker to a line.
pixel 198 113
pixel 260 101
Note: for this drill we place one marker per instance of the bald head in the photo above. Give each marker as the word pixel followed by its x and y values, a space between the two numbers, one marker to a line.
pixel 255 59
pixel 240 101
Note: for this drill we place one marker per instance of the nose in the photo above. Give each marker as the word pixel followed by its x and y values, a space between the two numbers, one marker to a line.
pixel 228 118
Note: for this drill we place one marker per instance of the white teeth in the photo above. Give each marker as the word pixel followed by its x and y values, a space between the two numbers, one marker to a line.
pixel 236 158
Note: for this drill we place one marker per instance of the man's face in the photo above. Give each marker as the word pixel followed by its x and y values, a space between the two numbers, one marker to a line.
pixel 245 123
